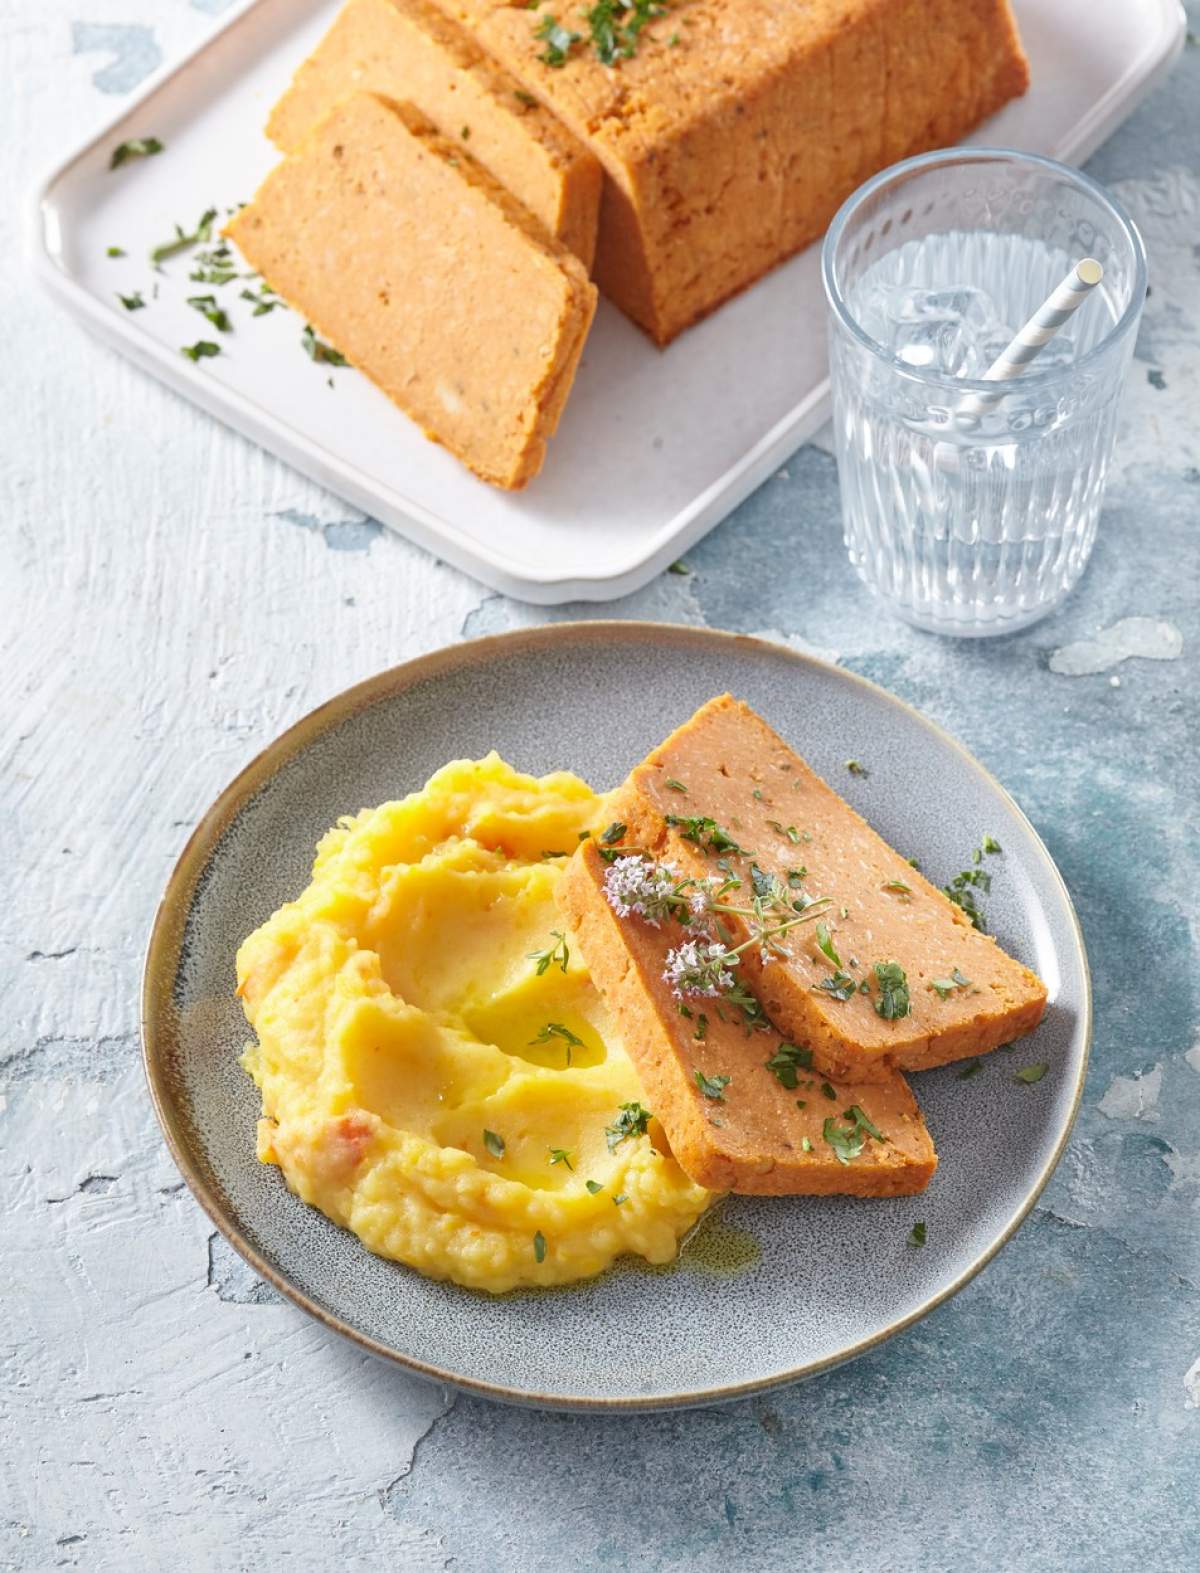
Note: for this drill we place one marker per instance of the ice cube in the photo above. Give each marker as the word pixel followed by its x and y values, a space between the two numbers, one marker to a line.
pixel 960 303
pixel 935 346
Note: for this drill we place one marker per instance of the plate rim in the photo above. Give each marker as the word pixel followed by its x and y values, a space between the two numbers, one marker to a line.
pixel 1165 26
pixel 164 947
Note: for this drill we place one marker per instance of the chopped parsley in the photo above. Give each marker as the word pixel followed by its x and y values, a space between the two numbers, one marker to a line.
pixel 539 1247
pixel 559 41
pixel 594 1187
pixel 613 833
pixel 712 1086
pixel 961 889
pixel 555 1029
pixel 705 833
pixel 619 1201
pixel 132 302
pixel 207 306
pixel 856 769
pixel 138 147
pixel 494 1143
pixel 944 987
pixel 557 954
pixel 701 1031
pixel 466 133
pixel 893 1001
pixel 841 986
pixel 916 1235
pixel 805 1144
pixel 680 568
pixel 203 349
pixel 1031 1073
pixel 789 831
pixel 316 349
pixel 215 266
pixel 829 1091
pixel 787 1060
pixel 522 97
pixel 265 300
pixel 898 886
pixel 970 1070
pixel 561 1155
pixel 115 251
pixel 849 1140
pixel 182 240
pixel 676 786
pixel 631 1121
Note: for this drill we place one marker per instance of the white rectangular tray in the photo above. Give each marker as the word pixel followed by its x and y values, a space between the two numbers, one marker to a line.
pixel 655 448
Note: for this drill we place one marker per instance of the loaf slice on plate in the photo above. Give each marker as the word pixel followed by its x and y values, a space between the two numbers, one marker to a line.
pixel 743 1109
pixel 407 49
pixel 884 972
pixel 429 277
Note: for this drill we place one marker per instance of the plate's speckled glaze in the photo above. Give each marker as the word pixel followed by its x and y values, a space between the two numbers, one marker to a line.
pixel 828 1278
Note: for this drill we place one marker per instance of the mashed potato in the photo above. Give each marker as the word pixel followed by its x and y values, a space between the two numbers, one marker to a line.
pixel 438 1073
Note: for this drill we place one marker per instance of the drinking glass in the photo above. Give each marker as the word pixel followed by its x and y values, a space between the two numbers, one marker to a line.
pixel 975 524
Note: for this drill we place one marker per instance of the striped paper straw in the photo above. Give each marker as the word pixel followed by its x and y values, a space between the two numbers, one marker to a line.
pixel 1037 332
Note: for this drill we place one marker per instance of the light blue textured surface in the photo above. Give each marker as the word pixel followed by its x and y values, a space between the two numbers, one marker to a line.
pixel 171 599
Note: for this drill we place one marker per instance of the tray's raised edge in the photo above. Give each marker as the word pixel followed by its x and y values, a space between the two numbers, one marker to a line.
pixel 432 532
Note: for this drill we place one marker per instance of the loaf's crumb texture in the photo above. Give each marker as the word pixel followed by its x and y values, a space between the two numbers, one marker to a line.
pixel 409 50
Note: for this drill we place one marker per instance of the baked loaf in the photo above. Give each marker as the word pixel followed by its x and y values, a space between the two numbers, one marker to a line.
pixel 407 49
pixel 429 277
pixel 734 1122
pixel 737 128
pixel 795 831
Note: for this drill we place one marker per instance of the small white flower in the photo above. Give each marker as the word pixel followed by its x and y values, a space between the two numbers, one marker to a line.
pixel 697 968
pixel 636 887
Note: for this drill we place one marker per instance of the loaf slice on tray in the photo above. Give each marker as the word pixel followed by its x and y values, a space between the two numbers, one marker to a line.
pixel 743 1110
pixel 429 277
pixel 408 50
pixel 877 970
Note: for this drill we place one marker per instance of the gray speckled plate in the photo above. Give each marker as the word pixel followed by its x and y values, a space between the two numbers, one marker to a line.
pixel 824 1279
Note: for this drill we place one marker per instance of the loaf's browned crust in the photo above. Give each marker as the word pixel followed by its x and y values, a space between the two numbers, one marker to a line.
pixel 751 1138
pixel 724 755
pixel 407 49
pixel 739 126
pixel 429 277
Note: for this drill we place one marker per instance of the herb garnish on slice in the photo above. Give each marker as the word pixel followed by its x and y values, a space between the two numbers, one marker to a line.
pixel 848 1141
pixel 594 1186
pixel 712 1086
pixel 787 1060
pixel 944 987
pixel 613 833
pixel 631 1121
pixel 561 1155
pixel 676 786
pixel 893 1001
pixel 705 833
pixel 539 1247
pixel 137 147
pixel 826 946
pixel 841 986
pixel 559 41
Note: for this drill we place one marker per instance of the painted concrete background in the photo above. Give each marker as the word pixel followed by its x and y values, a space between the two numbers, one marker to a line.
pixel 169 599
